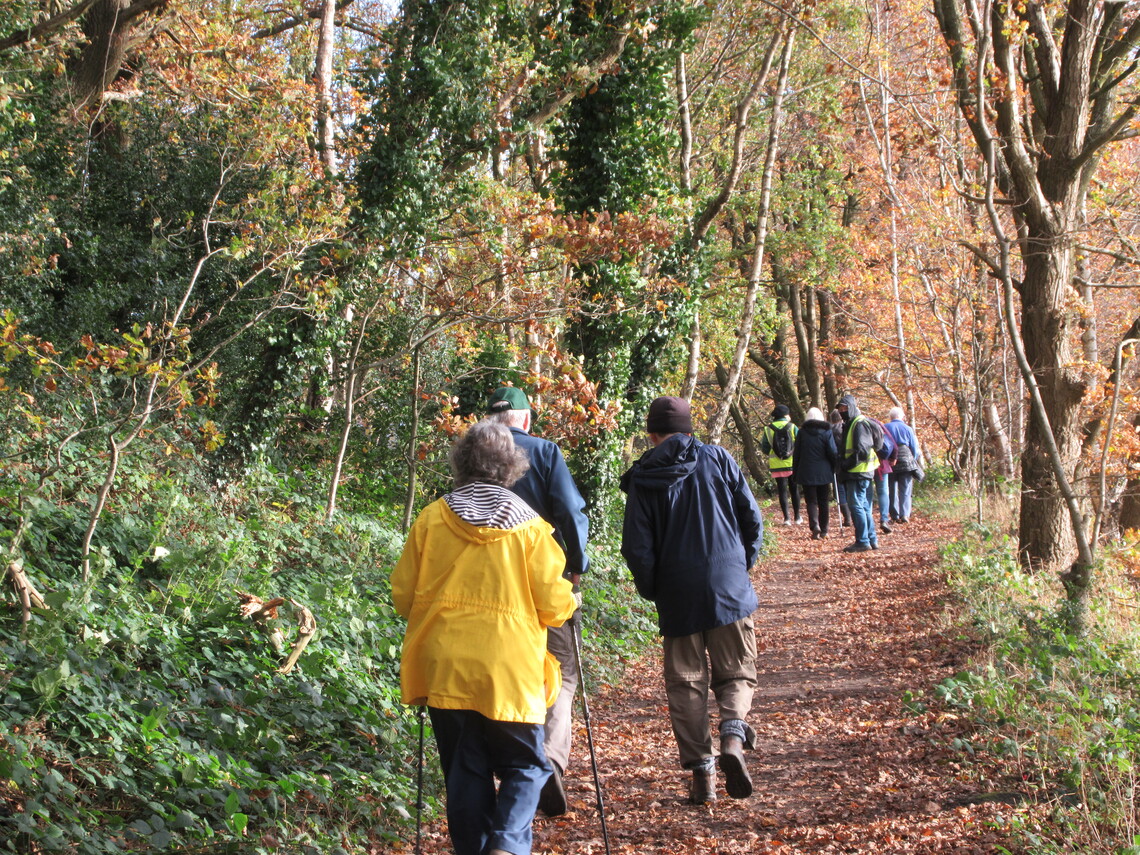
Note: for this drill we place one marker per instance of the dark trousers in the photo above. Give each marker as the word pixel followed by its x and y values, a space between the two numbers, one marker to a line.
pixel 816 497
pixel 473 750
pixel 841 501
pixel 783 486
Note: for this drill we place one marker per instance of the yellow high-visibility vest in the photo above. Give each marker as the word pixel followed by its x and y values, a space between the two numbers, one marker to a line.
pixel 872 461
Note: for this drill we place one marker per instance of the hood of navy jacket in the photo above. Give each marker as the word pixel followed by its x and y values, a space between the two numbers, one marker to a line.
pixel 659 468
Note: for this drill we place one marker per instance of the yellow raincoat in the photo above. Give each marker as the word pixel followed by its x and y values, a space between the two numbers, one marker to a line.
pixel 478 601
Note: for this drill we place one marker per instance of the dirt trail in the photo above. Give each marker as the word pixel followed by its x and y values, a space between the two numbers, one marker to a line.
pixel 842 764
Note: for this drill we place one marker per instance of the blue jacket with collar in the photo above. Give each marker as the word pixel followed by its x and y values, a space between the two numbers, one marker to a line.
pixel 549 488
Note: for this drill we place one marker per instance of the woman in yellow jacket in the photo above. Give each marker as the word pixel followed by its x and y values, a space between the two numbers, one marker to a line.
pixel 480 580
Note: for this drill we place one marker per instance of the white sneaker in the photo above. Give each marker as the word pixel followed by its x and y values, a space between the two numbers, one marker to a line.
pixel 787 522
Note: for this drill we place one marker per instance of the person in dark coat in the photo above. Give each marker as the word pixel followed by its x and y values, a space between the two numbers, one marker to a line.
pixel 690 535
pixel 813 462
pixel 840 491
pixel 548 487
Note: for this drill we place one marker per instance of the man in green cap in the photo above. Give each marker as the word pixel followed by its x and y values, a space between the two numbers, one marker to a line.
pixel 550 490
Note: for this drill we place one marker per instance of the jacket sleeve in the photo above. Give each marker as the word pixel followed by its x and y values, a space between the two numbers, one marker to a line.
pixel 637 544
pixel 765 442
pixel 890 447
pixel 553 595
pixel 406 573
pixel 830 450
pixel 568 509
pixel 748 519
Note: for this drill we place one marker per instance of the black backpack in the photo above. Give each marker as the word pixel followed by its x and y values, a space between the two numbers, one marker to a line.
pixel 782 440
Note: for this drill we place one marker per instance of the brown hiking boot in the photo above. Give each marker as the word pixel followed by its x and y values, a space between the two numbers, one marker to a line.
pixel 702 789
pixel 736 779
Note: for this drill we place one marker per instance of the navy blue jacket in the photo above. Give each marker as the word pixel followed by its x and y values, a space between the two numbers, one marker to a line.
pixel 815 455
pixel 691 533
pixel 549 488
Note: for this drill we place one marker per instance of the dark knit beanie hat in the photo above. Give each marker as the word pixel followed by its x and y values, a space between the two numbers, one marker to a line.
pixel 669 415
pixel 780 411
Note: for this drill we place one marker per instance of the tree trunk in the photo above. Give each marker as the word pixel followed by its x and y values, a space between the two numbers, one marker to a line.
pixel 323 75
pixel 999 441
pixel 750 451
pixel 1046 539
pixel 693 368
pixel 98 64
pixel 1130 501
pixel 744 333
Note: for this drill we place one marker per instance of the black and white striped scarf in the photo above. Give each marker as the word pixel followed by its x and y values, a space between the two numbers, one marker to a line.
pixel 489 506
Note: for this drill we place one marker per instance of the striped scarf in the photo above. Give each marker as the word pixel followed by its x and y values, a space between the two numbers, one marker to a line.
pixel 489 506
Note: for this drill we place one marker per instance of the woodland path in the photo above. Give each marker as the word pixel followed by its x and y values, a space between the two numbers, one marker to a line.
pixel 842 764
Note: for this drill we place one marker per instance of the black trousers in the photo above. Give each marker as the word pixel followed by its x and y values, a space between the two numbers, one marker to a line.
pixel 816 498
pixel 782 487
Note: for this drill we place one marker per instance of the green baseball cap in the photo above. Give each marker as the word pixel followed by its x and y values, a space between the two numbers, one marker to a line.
pixel 507 398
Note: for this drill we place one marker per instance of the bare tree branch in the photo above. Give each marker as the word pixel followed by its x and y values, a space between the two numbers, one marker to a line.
pixel 289 23
pixel 43 28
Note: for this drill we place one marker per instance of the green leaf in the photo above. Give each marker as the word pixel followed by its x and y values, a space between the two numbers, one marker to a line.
pixel 238 822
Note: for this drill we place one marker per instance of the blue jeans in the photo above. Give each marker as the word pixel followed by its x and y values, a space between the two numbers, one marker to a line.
pixel 473 749
pixel 859 500
pixel 882 489
pixel 904 487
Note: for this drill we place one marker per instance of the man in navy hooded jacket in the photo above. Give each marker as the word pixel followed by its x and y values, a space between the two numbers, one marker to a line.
pixel 691 533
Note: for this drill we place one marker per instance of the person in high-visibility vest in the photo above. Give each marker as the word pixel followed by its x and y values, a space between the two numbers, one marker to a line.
pixel 778 441
pixel 861 441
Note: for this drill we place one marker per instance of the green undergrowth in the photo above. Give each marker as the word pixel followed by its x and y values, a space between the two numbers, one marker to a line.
pixel 141 711
pixel 1052 718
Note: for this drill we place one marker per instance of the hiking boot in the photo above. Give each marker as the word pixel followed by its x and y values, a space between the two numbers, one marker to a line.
pixel 702 789
pixel 858 547
pixel 731 761
pixel 552 799
pixel 886 528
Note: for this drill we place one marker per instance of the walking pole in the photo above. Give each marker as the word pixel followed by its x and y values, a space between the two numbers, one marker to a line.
pixel 420 781
pixel 589 731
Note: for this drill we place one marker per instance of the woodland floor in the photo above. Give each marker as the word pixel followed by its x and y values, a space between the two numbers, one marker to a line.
pixel 841 765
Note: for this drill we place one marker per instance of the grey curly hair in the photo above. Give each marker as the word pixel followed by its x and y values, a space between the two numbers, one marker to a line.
pixel 487 453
